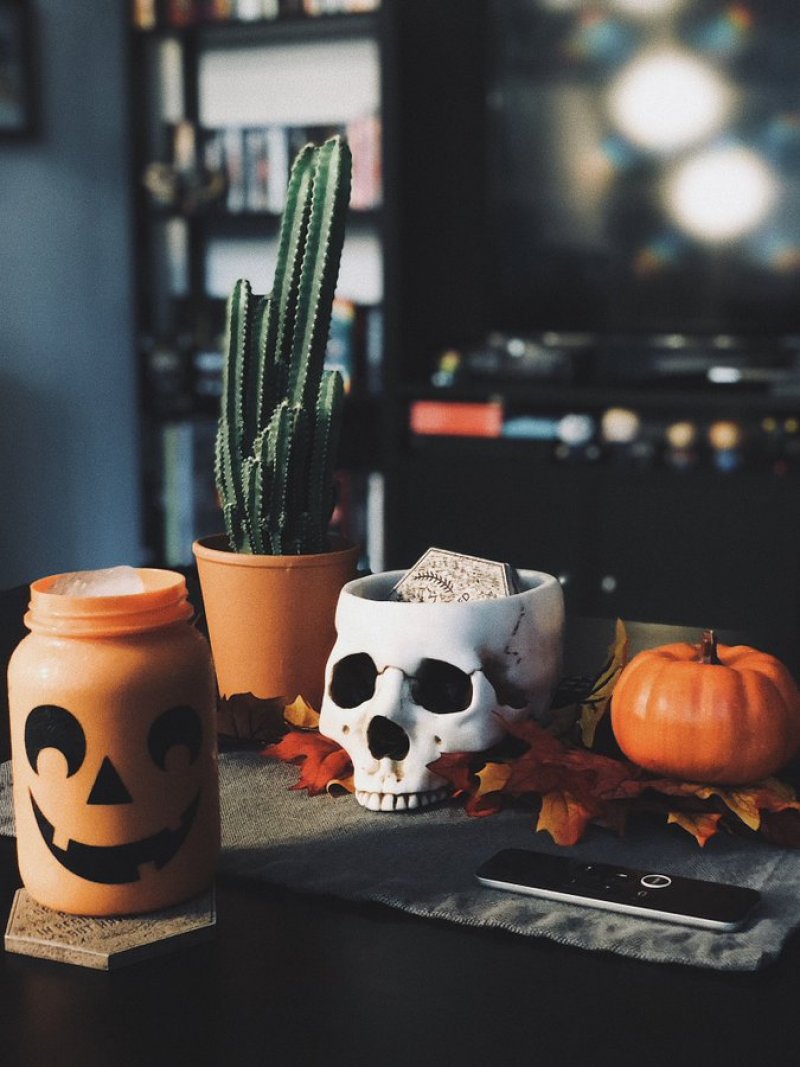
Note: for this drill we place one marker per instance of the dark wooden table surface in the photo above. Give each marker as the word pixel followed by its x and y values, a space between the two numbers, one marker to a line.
pixel 296 979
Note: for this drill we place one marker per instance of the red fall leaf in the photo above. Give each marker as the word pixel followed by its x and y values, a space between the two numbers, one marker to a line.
pixel 321 760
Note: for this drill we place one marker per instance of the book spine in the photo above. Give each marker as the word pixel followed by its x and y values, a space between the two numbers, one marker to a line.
pixel 456 418
pixel 234 168
pixel 277 149
pixel 255 168
pixel 144 14
pixel 181 13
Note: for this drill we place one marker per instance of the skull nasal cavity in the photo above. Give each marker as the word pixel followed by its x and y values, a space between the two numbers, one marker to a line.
pixel 108 787
pixel 386 739
pixel 441 688
pixel 353 680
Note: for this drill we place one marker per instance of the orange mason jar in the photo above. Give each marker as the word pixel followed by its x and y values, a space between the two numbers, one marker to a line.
pixel 113 742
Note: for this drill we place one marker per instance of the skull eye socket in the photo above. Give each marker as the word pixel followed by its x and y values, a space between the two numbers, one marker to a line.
pixel 441 688
pixel 49 726
pixel 177 726
pixel 353 680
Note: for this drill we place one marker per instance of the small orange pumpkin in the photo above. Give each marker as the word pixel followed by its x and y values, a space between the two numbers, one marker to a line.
pixel 707 713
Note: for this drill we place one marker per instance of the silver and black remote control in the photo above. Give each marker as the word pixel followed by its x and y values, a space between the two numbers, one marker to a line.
pixel 652 894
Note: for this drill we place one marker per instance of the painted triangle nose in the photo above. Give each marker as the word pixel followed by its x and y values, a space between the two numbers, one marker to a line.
pixel 108 787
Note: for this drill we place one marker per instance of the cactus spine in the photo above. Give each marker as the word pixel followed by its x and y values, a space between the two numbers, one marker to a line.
pixel 281 410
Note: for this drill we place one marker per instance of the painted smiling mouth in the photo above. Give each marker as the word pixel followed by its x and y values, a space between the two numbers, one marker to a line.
pixel 117 864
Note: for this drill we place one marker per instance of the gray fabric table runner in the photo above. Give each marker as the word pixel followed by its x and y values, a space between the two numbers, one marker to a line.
pixel 424 863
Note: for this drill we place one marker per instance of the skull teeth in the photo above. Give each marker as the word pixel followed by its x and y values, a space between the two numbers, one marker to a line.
pixel 400 801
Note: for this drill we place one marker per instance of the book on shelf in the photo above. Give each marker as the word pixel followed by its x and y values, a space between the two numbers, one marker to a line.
pixel 255 169
pixel 339 7
pixel 452 418
pixel 181 13
pixel 355 349
pixel 364 137
pixel 215 10
pixel 256 161
pixel 207 364
pixel 355 346
pixel 248 10
pixel 144 14
pixel 233 162
pixel 190 502
pixel 168 376
pixel 252 10
pixel 342 351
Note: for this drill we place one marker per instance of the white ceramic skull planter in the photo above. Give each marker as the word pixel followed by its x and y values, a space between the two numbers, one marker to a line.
pixel 407 682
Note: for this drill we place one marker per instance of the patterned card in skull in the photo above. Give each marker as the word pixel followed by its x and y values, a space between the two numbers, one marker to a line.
pixel 440 576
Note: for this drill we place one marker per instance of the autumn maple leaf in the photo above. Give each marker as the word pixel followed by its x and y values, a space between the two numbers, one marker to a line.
pixel 564 817
pixel 458 768
pixel 593 707
pixel 322 761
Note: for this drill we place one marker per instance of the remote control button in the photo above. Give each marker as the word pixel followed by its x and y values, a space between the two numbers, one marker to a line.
pixel 656 881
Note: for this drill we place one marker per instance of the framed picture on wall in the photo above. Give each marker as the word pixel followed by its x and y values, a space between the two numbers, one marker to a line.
pixel 16 103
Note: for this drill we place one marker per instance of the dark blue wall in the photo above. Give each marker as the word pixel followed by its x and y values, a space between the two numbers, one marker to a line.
pixel 68 426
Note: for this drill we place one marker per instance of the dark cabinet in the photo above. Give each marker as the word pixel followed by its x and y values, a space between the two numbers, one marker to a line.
pixel 703 548
pixel 695 547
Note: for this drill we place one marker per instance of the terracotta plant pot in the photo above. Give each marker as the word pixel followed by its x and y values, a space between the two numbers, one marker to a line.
pixel 271 618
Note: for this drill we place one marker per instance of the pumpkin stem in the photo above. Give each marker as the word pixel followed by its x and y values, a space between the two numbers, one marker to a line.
pixel 708 650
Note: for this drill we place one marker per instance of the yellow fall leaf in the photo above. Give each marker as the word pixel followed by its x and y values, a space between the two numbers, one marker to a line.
pixel 492 778
pixel 700 825
pixel 301 715
pixel 746 802
pixel 595 705
pixel 742 803
pixel 563 816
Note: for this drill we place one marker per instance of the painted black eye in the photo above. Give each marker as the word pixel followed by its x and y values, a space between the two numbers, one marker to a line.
pixel 353 680
pixel 178 726
pixel 441 688
pixel 49 726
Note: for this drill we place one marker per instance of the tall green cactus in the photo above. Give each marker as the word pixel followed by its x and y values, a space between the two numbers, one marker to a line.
pixel 281 411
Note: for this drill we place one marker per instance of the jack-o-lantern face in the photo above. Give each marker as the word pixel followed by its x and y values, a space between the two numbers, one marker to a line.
pixel 153 778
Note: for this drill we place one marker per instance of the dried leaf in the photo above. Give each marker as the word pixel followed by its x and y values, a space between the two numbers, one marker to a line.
pixel 549 765
pixel 493 777
pixel 457 768
pixel 322 760
pixel 747 803
pixel 564 817
pixel 478 806
pixel 701 825
pixel 487 799
pixel 245 717
pixel 744 804
pixel 751 803
pixel 595 705
pixel 301 715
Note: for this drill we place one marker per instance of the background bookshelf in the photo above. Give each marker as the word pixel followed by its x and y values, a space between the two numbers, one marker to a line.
pixel 223 97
